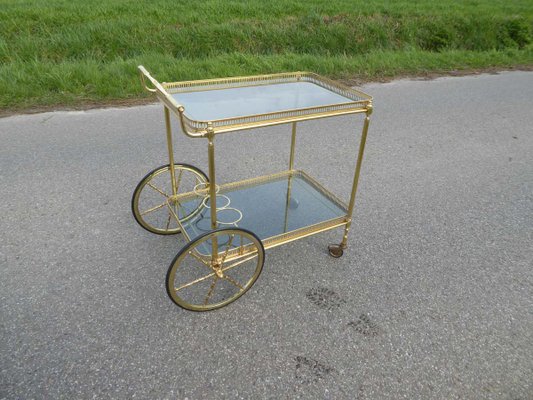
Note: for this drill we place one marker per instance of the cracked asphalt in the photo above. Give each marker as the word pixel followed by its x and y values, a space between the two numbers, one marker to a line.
pixel 433 298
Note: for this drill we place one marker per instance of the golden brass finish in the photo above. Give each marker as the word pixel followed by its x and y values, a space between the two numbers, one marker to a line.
pixel 217 256
pixel 212 188
pixel 285 120
pixel 356 177
pixel 189 274
pixel 156 217
pixel 358 103
pixel 259 181
pixel 293 145
pixel 287 236
pixel 170 151
pixel 291 167
pixel 288 202
pixel 145 73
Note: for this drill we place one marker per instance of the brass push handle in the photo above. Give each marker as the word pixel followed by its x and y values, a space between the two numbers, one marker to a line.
pixel 170 102
pixel 146 74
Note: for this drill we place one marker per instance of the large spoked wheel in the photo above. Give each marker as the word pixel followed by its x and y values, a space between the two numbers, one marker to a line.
pixel 153 203
pixel 196 282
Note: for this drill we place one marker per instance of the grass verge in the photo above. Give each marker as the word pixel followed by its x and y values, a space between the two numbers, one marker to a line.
pixel 70 53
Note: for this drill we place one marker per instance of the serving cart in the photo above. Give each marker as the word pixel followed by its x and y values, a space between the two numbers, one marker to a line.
pixel 229 226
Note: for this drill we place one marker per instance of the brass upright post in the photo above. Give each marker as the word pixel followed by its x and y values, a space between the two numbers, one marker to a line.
pixel 291 168
pixel 293 144
pixel 356 176
pixel 212 188
pixel 170 151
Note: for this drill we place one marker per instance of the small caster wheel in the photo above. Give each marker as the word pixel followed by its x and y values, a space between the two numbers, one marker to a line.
pixel 335 250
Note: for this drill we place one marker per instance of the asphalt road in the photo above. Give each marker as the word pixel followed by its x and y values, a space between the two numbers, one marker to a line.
pixel 433 299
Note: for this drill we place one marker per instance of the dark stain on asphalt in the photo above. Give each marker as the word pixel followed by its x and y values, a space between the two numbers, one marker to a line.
pixel 324 298
pixel 365 326
pixel 309 370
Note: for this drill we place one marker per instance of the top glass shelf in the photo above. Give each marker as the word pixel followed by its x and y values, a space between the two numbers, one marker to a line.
pixel 230 104
pixel 251 100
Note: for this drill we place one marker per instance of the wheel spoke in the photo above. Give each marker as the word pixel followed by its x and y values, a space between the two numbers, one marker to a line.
pixel 168 220
pixel 241 248
pixel 157 189
pixel 191 253
pixel 182 210
pixel 211 290
pixel 175 207
pixel 231 280
pixel 227 249
pixel 203 278
pixel 236 264
pixel 178 180
pixel 154 208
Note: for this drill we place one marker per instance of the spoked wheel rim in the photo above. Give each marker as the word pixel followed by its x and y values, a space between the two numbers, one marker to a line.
pixel 152 199
pixel 196 283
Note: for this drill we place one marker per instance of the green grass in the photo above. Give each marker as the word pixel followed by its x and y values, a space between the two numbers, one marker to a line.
pixel 55 52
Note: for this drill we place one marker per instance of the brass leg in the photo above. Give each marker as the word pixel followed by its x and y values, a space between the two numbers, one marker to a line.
pixel 293 144
pixel 288 202
pixel 170 152
pixel 334 249
pixel 212 191
pixel 291 168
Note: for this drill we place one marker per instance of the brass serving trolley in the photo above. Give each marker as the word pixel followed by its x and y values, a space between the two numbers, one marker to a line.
pixel 229 226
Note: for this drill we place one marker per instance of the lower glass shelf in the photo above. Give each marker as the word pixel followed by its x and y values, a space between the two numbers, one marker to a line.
pixel 276 208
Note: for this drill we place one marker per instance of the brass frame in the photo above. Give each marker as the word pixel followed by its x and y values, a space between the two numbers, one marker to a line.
pixel 359 103
pixel 282 238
